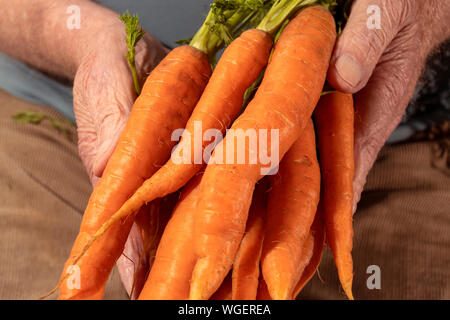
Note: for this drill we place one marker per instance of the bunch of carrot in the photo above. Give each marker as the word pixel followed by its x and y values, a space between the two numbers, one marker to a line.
pixel 235 232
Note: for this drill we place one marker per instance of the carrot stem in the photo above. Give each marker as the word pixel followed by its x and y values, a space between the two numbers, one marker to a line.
pixel 134 33
pixel 224 22
pixel 281 11
pixel 202 39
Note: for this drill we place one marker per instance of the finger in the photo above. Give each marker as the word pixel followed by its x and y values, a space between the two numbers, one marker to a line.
pixel 110 126
pixel 148 55
pixel 379 107
pixel 94 180
pixel 109 136
pixel 87 138
pixel 371 27
pixel 102 101
pixel 130 264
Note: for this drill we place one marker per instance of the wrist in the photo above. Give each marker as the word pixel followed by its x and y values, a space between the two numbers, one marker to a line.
pixel 67 45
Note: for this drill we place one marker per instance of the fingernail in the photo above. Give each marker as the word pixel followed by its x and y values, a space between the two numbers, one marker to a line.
pixel 349 70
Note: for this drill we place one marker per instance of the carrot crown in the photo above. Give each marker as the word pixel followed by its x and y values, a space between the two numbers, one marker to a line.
pixel 225 21
pixel 283 9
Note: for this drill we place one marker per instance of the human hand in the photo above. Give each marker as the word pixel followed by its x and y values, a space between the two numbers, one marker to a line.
pixel 103 96
pixel 382 66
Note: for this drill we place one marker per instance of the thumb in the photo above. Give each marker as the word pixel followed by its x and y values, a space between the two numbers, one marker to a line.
pixel 380 105
pixel 110 131
pixel 371 27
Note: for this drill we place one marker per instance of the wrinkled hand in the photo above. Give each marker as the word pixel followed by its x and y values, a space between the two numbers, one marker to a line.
pixel 103 96
pixel 382 67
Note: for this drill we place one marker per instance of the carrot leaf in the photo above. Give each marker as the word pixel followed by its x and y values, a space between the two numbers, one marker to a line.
pixel 29 116
pixel 35 117
pixel 134 33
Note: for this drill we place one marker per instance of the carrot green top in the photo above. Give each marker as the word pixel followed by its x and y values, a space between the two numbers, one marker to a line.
pixel 134 33
pixel 283 9
pixel 225 21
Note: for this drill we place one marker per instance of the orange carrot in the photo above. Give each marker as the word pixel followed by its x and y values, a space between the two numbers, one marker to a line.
pixel 240 65
pixel 222 100
pixel 245 275
pixel 165 104
pixel 151 221
pixel 335 128
pixel 225 290
pixel 317 233
pixel 238 68
pixel 285 101
pixel 154 223
pixel 263 291
pixel 303 263
pixel 171 271
pixel 311 256
pixel 167 100
pixel 291 209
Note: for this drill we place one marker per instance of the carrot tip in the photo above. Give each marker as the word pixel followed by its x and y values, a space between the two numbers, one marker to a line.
pixel 348 291
pixel 204 282
pixel 45 296
pixel 280 290
pixel 196 291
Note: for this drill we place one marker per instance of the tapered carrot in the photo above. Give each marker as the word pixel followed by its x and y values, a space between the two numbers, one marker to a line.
pixel 245 274
pixel 310 259
pixel 317 233
pixel 334 118
pixel 303 263
pixel 171 271
pixel 225 290
pixel 291 209
pixel 285 101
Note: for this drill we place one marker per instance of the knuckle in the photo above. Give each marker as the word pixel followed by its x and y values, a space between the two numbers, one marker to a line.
pixel 396 12
pixel 363 46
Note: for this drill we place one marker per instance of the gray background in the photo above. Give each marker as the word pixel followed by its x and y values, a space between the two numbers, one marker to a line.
pixel 168 20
